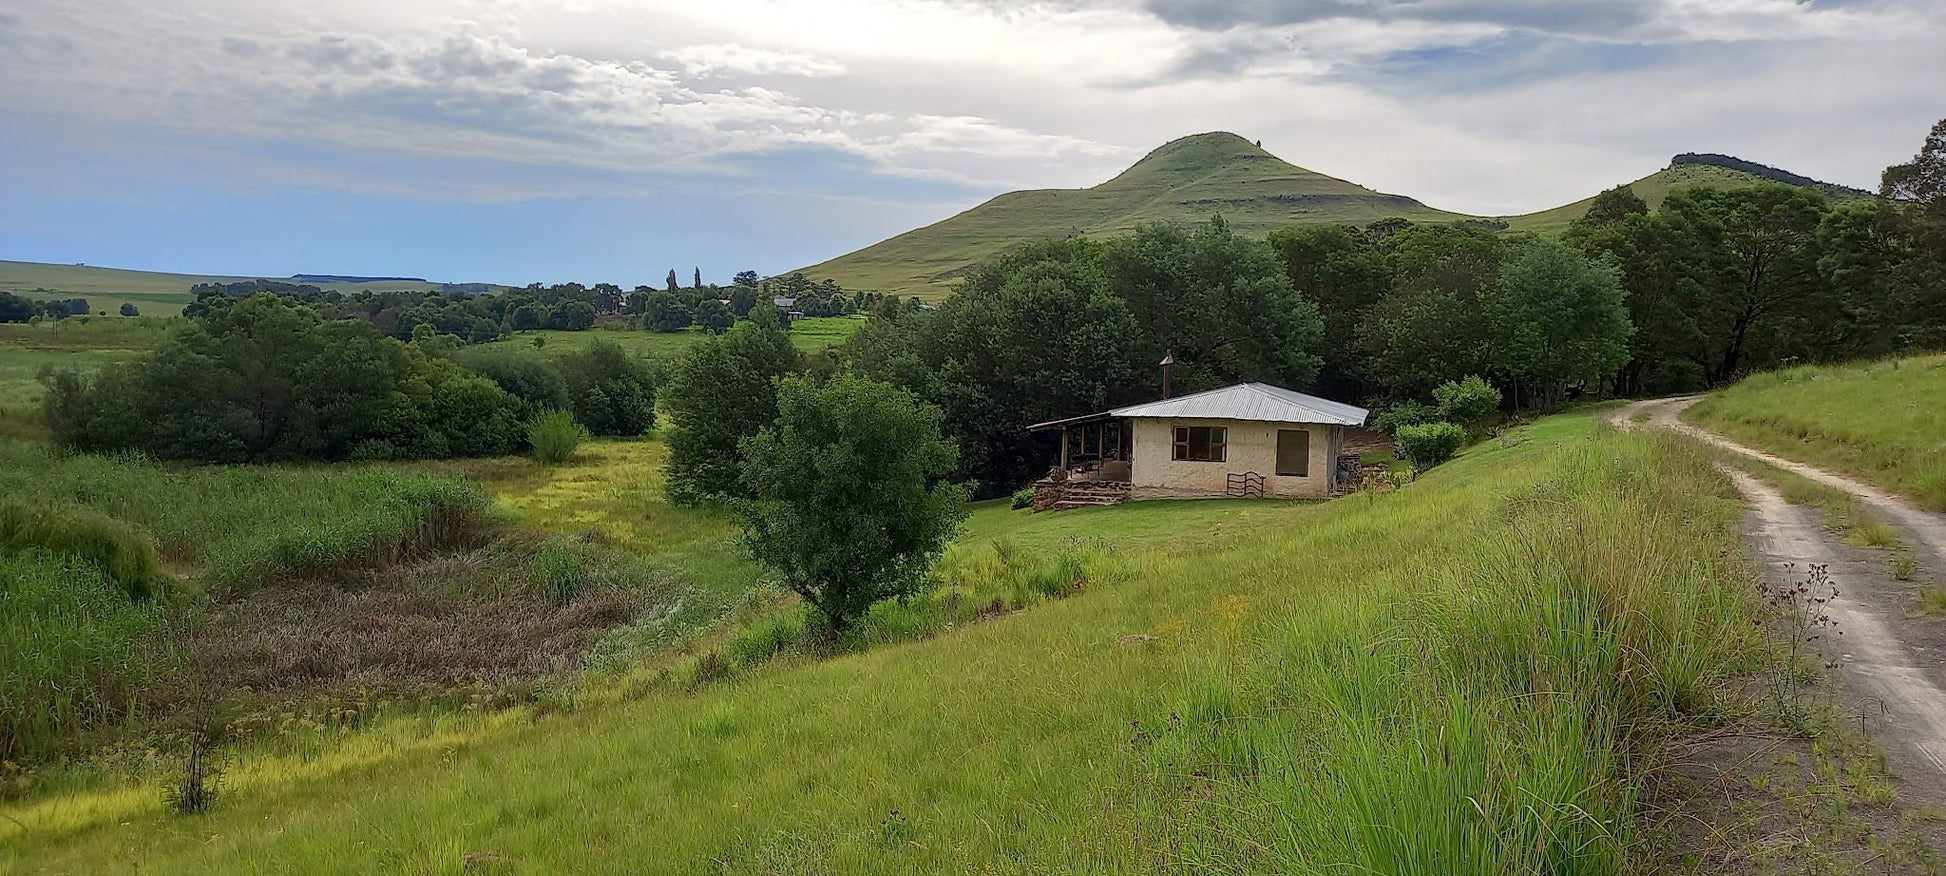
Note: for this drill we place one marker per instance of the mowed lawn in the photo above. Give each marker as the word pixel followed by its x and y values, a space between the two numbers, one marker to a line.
pixel 1435 680
pixel 1882 421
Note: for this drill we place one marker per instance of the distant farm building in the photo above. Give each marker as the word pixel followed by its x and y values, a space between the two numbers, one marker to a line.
pixel 1252 439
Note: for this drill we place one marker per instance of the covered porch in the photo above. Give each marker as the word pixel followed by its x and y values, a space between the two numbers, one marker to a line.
pixel 1096 453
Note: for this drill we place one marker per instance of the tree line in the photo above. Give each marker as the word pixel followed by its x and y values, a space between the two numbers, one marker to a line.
pixel 478 319
pixel 266 379
pixel 18 308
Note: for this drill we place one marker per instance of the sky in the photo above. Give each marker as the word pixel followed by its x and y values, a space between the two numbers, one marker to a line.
pixel 513 141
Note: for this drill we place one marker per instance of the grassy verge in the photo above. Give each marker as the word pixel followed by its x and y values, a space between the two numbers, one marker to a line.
pixel 1466 675
pixel 1882 421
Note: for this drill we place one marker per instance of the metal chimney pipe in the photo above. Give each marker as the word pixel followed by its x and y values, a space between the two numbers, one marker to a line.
pixel 1167 361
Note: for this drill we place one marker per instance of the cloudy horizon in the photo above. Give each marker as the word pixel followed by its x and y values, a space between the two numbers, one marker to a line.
pixel 509 141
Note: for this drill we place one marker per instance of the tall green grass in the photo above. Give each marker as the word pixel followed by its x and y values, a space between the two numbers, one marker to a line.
pixel 118 551
pixel 68 637
pixel 1469 675
pixel 1882 421
pixel 239 526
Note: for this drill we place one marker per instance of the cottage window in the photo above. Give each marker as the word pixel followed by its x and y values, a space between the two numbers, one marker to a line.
pixel 1293 453
pixel 1201 443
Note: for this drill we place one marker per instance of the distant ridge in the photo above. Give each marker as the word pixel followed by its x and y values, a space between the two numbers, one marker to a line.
pixel 338 278
pixel 1765 171
pixel 1192 178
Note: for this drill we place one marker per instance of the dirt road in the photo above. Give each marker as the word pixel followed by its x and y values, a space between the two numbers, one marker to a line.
pixel 1888 658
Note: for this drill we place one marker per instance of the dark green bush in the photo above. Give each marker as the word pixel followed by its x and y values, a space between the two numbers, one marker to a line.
pixel 1429 444
pixel 263 379
pixel 539 386
pixel 555 436
pixel 610 392
pixel 1023 498
pixel 1466 401
pixel 1405 413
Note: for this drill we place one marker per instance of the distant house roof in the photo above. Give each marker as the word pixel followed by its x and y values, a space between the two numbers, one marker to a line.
pixel 1244 401
pixel 1250 401
pixel 781 301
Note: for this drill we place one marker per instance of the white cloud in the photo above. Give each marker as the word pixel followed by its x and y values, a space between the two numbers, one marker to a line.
pixel 731 58
pixel 1011 93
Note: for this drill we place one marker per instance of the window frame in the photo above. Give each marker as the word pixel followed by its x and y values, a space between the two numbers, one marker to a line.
pixel 1304 462
pixel 1216 443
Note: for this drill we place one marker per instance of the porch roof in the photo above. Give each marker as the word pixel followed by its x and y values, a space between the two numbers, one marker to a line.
pixel 1258 402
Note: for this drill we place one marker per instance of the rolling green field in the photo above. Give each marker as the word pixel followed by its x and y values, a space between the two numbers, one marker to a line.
pixel 85 343
pixel 1883 421
pixel 154 292
pixel 810 335
pixel 1457 677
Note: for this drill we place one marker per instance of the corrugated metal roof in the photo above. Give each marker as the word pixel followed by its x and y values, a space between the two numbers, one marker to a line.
pixel 1250 401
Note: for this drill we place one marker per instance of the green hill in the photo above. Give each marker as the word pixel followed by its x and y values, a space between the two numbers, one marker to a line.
pixel 156 293
pixel 1657 186
pixel 1184 180
pixel 1189 179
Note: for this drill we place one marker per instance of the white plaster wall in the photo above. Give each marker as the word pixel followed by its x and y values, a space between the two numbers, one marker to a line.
pixel 1252 448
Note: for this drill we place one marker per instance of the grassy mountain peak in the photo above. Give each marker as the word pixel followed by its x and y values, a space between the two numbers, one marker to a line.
pixel 1184 180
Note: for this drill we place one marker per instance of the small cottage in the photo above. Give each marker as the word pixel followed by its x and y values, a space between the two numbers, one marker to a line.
pixel 1252 439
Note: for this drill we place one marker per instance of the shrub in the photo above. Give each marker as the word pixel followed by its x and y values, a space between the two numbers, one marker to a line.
pixel 123 553
pixel 1429 444
pixel 539 386
pixel 611 393
pixel 1405 413
pixel 1023 498
pixel 852 505
pixel 558 568
pixel 1466 401
pixel 555 436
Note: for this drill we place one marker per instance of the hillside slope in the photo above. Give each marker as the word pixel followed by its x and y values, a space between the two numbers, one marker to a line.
pixel 1185 180
pixel 1656 186
pixel 1190 179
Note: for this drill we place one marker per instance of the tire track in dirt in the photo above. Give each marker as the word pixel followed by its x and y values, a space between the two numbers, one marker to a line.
pixel 1883 654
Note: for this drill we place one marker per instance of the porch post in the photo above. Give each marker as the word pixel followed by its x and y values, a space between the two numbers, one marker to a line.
pixel 1064 448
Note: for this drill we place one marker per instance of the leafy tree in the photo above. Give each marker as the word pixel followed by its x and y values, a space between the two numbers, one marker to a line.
pixel 1612 206
pixel 1343 272
pixel 1222 303
pixel 720 392
pixel 264 379
pixel 672 282
pixel 1554 321
pixel 850 503
pixel 1036 335
pixel 1430 327
pixel 14 308
pixel 572 316
pixel 746 279
pixel 713 316
pixel 1754 253
pixel 536 385
pixel 1429 444
pixel 610 392
pixel 128 309
pixel 527 317
pixel 668 313
pixel 699 278
pixel 1466 401
pixel 1921 182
